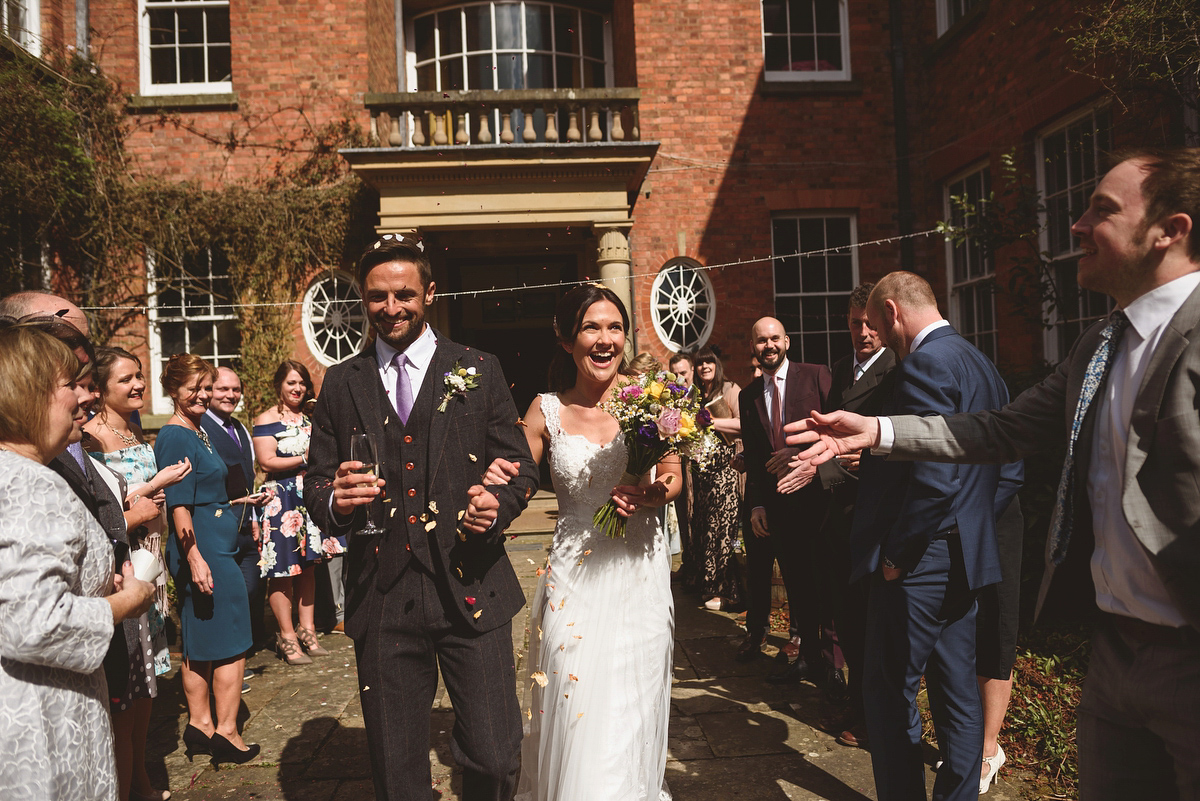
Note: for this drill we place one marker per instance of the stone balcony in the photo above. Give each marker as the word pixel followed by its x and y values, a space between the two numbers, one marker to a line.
pixel 522 116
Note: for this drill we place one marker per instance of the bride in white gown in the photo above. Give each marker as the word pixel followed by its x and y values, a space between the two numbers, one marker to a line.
pixel 601 632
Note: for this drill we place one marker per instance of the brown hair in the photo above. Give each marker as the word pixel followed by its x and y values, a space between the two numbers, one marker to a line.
pixel 395 247
pixel 33 363
pixel 281 374
pixel 859 297
pixel 1171 186
pixel 180 368
pixel 106 357
pixel 568 319
pixel 708 354
pixel 681 356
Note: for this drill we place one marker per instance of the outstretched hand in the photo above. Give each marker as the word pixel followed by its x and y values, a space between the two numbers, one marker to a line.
pixel 829 435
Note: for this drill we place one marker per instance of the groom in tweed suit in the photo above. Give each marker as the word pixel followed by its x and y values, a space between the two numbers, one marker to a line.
pixel 1125 398
pixel 436 588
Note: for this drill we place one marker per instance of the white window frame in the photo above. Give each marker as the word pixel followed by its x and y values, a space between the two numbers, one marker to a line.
pixel 308 323
pixel 944 23
pixel 30 35
pixel 810 75
pixel 148 88
pixel 160 403
pixel 973 287
pixel 700 281
pixel 1054 346
pixel 411 63
pixel 835 315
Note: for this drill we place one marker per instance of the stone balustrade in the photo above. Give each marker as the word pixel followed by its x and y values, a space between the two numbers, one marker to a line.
pixel 504 116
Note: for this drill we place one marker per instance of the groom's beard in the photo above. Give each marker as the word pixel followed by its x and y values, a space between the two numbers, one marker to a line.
pixel 403 334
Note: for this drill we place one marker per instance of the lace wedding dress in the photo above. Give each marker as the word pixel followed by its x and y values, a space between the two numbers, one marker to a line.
pixel 601 637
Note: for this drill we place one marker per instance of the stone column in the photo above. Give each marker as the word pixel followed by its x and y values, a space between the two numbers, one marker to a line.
pixel 615 263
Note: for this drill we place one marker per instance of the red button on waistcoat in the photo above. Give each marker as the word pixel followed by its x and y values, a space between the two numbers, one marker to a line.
pixel 409 466
pixel 407 439
pixel 412 518
pixel 407 547
pixel 412 493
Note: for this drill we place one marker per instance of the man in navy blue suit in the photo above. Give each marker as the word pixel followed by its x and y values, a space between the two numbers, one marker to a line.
pixel 926 534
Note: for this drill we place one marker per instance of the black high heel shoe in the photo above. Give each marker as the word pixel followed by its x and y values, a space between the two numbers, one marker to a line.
pixel 225 751
pixel 195 742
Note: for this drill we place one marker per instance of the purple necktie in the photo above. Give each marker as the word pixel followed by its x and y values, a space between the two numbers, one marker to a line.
pixel 233 433
pixel 404 396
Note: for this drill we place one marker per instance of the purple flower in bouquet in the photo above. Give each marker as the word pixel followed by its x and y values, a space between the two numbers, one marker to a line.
pixel 648 433
pixel 704 418
pixel 631 392
pixel 669 422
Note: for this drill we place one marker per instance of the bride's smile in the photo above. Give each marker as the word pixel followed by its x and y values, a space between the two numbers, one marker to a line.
pixel 600 343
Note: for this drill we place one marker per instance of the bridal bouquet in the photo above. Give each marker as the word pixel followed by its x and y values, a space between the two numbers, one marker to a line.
pixel 658 417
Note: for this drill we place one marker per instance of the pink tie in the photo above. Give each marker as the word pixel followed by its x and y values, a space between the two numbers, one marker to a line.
pixel 404 396
pixel 776 414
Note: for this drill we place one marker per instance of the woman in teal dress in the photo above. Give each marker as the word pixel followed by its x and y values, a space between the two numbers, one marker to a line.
pixel 292 543
pixel 201 553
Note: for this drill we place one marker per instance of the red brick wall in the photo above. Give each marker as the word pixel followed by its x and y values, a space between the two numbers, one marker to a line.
pixel 730 155
pixel 295 64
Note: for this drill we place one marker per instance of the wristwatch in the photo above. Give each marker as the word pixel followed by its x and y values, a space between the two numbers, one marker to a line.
pixel 888 564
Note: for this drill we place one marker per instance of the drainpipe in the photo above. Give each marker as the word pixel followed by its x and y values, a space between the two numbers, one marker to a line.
pixel 81 28
pixel 904 214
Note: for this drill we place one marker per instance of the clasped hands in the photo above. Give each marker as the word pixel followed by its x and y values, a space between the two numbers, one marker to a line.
pixel 353 488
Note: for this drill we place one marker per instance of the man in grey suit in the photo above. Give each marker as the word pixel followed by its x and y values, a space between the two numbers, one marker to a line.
pixel 1125 536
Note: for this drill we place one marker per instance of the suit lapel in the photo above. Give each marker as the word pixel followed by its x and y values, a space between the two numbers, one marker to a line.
pixel 367 393
pixel 1150 395
pixel 439 425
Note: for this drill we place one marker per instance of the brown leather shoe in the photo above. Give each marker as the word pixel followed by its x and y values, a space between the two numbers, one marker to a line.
pixel 854 737
pixel 340 627
pixel 750 648
pixel 790 650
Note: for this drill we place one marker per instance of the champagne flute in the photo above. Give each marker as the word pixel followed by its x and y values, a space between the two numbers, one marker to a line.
pixel 365 449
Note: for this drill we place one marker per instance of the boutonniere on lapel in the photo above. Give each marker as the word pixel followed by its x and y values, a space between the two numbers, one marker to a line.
pixel 459 381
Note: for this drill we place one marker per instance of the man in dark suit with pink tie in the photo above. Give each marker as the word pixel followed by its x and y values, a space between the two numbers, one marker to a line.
pixel 786 508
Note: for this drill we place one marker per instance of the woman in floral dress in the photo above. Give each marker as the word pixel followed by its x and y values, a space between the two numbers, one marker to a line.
pixel 292 544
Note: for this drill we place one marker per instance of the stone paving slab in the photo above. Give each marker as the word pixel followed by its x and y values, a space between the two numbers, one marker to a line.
pixel 732 734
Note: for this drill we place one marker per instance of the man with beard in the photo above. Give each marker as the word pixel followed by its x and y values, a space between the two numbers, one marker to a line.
pixel 786 508
pixel 435 589
pixel 1124 546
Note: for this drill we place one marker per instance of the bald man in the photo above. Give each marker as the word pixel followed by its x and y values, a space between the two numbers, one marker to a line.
pixel 925 533
pixel 39 302
pixel 786 508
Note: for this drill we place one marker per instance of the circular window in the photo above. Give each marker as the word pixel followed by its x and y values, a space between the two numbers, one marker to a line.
pixel 683 305
pixel 334 324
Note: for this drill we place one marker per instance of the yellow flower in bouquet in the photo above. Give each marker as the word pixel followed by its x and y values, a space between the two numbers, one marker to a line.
pixel 655 389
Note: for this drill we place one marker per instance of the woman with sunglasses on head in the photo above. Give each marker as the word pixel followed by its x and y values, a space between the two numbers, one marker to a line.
pixel 716 495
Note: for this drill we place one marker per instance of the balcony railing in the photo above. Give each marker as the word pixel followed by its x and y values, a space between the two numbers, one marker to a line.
pixel 437 119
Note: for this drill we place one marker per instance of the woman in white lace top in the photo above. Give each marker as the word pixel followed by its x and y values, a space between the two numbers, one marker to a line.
pixel 57 604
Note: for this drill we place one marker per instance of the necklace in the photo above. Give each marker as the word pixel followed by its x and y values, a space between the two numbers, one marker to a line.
pixel 199 432
pixel 129 439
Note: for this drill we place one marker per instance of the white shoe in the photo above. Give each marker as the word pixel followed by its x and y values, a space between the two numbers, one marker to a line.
pixel 993 767
pixel 713 604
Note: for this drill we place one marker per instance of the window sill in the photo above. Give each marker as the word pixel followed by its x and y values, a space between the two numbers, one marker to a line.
pixel 968 20
pixel 149 104
pixel 847 87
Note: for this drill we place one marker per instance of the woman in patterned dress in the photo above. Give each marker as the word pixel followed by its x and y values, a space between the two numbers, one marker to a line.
pixel 717 501
pixel 117 442
pixel 57 605
pixel 292 544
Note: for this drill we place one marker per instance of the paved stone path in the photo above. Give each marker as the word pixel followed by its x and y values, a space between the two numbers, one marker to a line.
pixel 732 734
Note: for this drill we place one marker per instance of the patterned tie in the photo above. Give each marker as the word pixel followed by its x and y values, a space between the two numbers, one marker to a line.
pixel 404 396
pixel 776 414
pixel 1093 379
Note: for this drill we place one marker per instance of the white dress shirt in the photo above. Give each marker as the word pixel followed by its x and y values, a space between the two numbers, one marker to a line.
pixel 781 377
pixel 862 367
pixel 1126 581
pixel 419 353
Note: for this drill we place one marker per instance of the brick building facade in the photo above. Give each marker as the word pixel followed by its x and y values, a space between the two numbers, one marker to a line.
pixel 651 141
